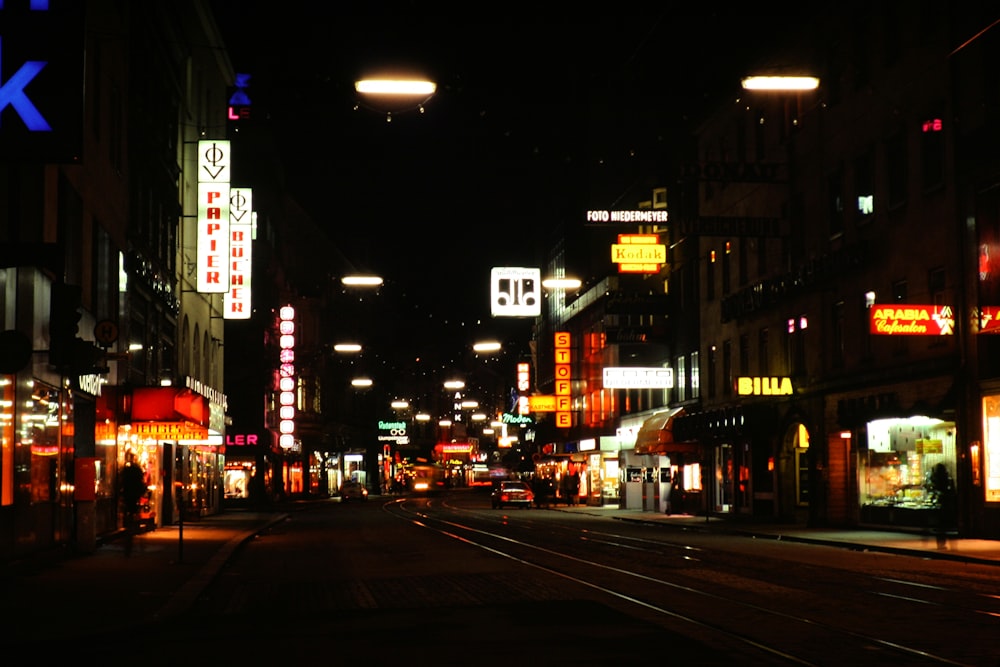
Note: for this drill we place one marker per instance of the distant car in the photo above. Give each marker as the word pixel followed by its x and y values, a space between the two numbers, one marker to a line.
pixel 351 490
pixel 511 492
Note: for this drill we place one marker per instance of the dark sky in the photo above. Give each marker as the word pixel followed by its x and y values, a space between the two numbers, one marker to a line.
pixel 540 114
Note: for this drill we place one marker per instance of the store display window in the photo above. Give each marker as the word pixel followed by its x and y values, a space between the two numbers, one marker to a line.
pixel 894 469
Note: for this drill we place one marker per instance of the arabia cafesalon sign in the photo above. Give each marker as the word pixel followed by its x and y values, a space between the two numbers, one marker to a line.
pixel 912 320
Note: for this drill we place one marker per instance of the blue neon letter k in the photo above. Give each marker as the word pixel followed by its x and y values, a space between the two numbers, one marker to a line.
pixel 12 93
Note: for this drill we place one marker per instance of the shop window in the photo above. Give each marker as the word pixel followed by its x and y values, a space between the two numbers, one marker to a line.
pixel 894 470
pixel 991 448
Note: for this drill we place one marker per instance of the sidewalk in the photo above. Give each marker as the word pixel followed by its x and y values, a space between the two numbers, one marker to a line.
pixel 107 591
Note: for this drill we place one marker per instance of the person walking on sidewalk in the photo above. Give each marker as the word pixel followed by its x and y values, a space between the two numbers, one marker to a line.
pixel 945 499
pixel 133 488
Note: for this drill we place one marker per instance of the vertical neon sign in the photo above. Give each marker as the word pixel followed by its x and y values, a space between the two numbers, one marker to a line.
pixel 286 378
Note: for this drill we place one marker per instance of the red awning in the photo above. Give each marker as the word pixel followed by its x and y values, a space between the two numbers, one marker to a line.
pixel 656 435
pixel 169 404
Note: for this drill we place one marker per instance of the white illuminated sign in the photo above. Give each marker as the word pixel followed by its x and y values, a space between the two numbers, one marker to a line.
pixel 642 216
pixel 515 292
pixel 237 299
pixel 213 216
pixel 638 378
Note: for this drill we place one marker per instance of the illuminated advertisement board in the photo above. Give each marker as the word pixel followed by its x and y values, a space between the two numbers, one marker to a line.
pixel 213 216
pixel 912 320
pixel 237 299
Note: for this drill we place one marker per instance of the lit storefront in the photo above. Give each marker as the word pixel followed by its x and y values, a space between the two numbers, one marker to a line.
pixel 176 434
pixel 895 465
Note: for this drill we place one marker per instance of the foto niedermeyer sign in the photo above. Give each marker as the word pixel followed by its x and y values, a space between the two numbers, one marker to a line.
pixel 41 81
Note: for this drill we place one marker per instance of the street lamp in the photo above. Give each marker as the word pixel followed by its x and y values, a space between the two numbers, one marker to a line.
pixel 395 94
pixel 780 83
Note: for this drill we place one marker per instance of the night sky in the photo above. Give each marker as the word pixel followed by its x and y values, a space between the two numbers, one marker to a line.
pixel 539 115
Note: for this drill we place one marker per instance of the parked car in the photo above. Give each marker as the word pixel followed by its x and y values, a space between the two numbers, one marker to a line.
pixel 352 490
pixel 511 492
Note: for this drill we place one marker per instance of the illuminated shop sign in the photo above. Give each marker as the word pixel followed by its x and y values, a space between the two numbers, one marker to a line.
pixel 989 319
pixel 912 320
pixel 41 80
pixel 286 377
pixel 393 432
pixel 239 100
pixel 564 385
pixel 640 217
pixel 236 302
pixel 213 216
pixel 764 386
pixel 523 385
pixel 542 403
pixel 241 440
pixel 638 253
pixel 515 291
pixel 639 378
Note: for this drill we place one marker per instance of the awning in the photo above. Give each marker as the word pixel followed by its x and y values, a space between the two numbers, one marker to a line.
pixel 656 435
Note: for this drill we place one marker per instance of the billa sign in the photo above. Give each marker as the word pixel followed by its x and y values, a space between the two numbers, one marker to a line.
pixel 912 320
pixel 764 386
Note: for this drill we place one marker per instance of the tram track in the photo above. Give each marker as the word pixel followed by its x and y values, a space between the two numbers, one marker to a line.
pixel 774 618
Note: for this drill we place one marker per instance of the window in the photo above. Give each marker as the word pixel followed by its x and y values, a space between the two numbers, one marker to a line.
pixel 864 186
pixel 727 368
pixel 744 260
pixel 763 361
pixel 712 371
pixel 896 167
pixel 795 344
pixel 835 202
pixel 710 276
pixel 744 354
pixel 838 357
pixel 680 381
pixel 932 151
pixel 727 271
pixel 695 376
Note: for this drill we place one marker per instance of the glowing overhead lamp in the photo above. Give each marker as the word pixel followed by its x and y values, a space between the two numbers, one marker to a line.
pixel 422 417
pixel 487 346
pixel 414 87
pixel 361 382
pixel 346 347
pixel 361 281
pixel 454 384
pixel 780 83
pixel 561 283
pixel 399 405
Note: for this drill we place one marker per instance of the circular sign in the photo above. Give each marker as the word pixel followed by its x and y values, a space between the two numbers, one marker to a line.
pixel 106 332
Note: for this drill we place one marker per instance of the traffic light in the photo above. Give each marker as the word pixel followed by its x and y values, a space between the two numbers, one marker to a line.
pixel 64 318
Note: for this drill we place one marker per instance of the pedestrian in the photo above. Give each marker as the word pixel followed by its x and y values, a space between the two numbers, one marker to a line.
pixel 945 499
pixel 572 487
pixel 133 489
